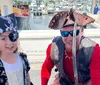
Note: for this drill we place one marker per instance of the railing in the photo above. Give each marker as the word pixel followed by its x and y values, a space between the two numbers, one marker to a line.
pixel 35 42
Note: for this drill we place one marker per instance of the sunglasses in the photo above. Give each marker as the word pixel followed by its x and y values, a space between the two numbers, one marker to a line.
pixel 66 33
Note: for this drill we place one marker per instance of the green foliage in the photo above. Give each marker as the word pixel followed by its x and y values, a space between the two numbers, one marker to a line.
pixel 98 1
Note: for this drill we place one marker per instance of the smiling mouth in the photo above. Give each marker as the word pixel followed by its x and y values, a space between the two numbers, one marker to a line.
pixel 10 47
pixel 70 42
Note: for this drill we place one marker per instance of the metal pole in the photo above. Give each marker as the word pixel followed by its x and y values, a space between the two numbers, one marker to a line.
pixel 74 55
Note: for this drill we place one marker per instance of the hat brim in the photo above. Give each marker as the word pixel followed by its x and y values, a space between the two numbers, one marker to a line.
pixel 82 19
pixel 58 20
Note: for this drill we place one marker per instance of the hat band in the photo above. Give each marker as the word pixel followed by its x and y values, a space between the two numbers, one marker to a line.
pixel 69 25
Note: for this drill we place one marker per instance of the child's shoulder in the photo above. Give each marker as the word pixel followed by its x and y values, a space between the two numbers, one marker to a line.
pixel 24 58
pixel 23 55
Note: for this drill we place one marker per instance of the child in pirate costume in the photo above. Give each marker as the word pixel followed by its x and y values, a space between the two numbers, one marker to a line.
pixel 59 52
pixel 14 66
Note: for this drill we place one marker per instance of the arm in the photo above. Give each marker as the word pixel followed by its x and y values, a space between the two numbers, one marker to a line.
pixel 46 67
pixel 95 66
pixel 29 79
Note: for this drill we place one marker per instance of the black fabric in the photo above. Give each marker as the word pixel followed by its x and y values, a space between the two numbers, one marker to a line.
pixel 8 23
pixel 31 83
pixel 64 79
pixel 3 76
pixel 24 56
pixel 83 60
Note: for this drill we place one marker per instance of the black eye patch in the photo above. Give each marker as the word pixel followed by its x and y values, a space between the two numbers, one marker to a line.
pixel 13 36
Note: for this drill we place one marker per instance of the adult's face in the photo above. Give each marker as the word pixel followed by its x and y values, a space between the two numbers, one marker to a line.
pixel 67 36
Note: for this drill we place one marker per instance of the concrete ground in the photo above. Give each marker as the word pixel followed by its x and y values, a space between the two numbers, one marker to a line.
pixel 35 74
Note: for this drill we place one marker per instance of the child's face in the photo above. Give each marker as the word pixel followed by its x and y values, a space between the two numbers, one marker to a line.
pixel 6 45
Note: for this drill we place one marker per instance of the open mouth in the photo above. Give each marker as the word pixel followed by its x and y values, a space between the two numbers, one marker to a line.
pixel 10 47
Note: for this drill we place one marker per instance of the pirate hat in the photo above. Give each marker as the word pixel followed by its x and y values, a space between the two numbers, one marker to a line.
pixel 82 18
pixel 8 23
pixel 65 19
pixel 58 20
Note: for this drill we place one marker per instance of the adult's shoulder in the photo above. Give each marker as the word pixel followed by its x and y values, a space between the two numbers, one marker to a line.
pixel 49 48
pixel 96 52
pixel 96 48
pixel 57 38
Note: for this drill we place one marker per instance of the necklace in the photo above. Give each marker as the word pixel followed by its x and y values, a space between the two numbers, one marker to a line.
pixel 66 55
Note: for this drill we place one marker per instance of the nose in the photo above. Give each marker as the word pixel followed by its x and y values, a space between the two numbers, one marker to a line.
pixel 69 36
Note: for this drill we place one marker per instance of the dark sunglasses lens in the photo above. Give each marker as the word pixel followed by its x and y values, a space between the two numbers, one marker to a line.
pixel 13 36
pixel 77 32
pixel 71 33
pixel 64 33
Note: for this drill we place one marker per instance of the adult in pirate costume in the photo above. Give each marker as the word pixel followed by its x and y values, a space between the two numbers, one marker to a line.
pixel 60 52
pixel 14 66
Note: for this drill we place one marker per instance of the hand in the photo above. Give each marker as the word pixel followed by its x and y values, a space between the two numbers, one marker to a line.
pixel 89 82
pixel 56 81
